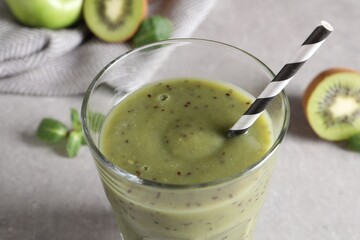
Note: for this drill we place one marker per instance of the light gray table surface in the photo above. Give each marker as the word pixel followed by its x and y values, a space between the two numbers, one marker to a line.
pixel 315 189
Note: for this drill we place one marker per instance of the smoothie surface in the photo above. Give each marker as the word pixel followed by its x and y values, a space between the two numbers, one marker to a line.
pixel 174 131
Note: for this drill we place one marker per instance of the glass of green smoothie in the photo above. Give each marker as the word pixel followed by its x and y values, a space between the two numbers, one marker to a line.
pixel 156 119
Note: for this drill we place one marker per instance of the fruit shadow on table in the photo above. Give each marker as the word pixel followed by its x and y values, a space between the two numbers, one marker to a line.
pixel 298 124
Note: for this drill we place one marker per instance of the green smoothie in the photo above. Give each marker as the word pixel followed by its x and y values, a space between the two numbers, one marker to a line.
pixel 174 132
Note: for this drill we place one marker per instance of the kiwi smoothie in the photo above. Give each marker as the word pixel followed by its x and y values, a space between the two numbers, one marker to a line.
pixel 172 134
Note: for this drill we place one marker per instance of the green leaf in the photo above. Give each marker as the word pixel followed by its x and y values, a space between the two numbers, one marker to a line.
pixel 83 140
pixel 76 123
pixel 153 29
pixel 51 130
pixel 354 142
pixel 73 143
pixel 95 121
pixel 75 119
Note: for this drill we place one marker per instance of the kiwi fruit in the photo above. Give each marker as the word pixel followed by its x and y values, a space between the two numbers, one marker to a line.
pixel 332 104
pixel 114 20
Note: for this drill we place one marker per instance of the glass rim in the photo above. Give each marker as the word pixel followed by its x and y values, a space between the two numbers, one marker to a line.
pixel 99 157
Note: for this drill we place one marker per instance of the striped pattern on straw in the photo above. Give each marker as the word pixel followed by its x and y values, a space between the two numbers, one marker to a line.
pixel 307 49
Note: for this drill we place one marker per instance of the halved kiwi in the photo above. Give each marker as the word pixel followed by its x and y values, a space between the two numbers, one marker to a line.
pixel 114 20
pixel 332 104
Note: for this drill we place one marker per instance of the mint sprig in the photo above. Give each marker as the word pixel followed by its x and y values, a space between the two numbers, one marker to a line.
pixel 53 131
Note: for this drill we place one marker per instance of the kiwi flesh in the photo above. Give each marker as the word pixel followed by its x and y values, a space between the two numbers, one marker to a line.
pixel 114 20
pixel 332 104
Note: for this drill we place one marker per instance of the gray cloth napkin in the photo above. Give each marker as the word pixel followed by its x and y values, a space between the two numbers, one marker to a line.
pixel 63 62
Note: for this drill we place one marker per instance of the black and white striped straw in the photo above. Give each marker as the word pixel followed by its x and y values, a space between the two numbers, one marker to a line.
pixel 307 49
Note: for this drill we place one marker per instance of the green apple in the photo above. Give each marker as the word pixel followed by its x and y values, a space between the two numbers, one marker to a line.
pixel 52 14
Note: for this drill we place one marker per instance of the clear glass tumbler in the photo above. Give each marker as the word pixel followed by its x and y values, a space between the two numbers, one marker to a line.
pixel 222 209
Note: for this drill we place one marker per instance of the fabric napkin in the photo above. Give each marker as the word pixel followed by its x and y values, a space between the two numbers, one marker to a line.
pixel 45 62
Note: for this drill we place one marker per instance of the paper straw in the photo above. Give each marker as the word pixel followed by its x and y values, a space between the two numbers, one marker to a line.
pixel 307 49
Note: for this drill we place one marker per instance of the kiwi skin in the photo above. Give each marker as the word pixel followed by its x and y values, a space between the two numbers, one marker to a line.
pixel 144 15
pixel 315 82
pixel 145 3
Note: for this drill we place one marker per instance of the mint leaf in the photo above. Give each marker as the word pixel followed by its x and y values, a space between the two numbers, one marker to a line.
pixel 83 140
pixel 75 119
pixel 353 142
pixel 153 29
pixel 95 121
pixel 51 130
pixel 73 143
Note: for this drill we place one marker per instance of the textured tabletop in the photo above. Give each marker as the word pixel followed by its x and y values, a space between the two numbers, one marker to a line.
pixel 315 190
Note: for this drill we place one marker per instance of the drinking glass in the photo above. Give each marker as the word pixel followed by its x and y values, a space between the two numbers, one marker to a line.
pixel 223 209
